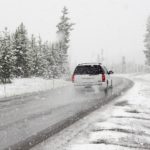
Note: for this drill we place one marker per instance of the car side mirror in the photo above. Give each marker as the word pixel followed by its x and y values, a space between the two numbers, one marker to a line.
pixel 110 72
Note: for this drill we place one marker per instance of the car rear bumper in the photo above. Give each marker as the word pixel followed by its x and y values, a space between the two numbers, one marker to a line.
pixel 102 84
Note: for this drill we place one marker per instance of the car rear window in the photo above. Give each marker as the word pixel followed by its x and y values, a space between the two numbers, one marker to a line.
pixel 88 69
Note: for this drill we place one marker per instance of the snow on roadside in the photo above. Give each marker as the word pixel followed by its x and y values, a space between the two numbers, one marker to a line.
pixel 29 85
pixel 126 128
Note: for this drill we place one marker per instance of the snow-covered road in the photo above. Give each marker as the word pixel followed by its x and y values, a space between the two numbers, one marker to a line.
pixel 122 124
pixel 28 120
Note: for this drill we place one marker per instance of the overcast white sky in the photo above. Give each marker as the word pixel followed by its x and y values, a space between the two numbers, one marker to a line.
pixel 116 26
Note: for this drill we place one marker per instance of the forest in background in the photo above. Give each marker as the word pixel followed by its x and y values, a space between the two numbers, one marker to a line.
pixel 24 56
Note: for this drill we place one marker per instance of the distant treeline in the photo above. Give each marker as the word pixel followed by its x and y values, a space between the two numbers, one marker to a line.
pixel 147 42
pixel 21 56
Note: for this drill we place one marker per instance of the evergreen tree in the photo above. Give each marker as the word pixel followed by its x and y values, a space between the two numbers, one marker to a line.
pixel 50 60
pixel 40 58
pixel 21 49
pixel 47 60
pixel 147 42
pixel 35 56
pixel 64 28
pixel 6 57
pixel 56 70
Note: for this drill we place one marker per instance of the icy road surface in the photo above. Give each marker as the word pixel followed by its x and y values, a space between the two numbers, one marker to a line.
pixel 27 120
pixel 123 124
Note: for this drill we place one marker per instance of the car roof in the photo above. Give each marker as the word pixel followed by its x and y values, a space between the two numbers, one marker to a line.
pixel 84 64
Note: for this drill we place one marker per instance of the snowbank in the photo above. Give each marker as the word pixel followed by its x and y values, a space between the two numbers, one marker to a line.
pixel 29 85
pixel 128 125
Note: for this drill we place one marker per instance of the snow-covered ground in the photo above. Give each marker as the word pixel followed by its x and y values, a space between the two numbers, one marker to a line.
pixel 29 85
pixel 121 125
pixel 128 125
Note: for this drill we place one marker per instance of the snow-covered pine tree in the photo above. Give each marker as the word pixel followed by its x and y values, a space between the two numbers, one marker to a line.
pixel 147 42
pixel 21 49
pixel 35 55
pixel 57 57
pixel 64 28
pixel 6 57
pixel 56 61
pixel 48 60
pixel 40 56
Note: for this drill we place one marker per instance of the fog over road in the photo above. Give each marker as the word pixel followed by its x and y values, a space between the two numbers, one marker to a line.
pixel 28 119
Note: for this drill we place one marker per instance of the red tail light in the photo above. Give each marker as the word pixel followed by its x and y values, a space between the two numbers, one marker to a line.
pixel 103 78
pixel 73 78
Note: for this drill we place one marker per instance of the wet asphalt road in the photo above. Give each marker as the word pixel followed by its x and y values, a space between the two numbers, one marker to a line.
pixel 31 119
